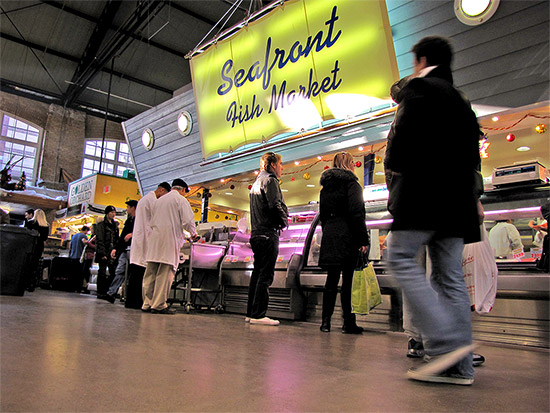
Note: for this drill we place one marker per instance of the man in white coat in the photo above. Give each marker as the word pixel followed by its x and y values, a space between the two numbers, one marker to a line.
pixel 171 216
pixel 142 227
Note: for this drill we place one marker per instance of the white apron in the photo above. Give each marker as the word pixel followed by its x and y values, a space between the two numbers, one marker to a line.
pixel 172 215
pixel 142 229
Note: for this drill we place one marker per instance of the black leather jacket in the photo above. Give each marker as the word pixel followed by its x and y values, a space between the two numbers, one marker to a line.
pixel 268 212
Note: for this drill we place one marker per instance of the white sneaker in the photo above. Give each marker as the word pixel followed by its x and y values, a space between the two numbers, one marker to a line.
pixel 247 319
pixel 266 321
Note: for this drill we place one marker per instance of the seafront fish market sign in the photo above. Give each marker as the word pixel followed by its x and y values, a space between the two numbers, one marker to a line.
pixel 305 62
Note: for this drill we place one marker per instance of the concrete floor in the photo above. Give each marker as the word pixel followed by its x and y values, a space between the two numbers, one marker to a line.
pixel 66 352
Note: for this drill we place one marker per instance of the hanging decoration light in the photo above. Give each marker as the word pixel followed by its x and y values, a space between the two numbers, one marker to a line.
pixel 540 128
pixel 358 164
pixel 378 159
pixel 510 137
pixel 232 186
pixel 307 176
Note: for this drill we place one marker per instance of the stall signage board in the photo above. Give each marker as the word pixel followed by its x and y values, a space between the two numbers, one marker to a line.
pixel 305 62
pixel 82 190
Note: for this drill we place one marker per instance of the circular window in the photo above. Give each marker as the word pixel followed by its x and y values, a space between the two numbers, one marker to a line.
pixel 148 139
pixel 185 123
pixel 474 12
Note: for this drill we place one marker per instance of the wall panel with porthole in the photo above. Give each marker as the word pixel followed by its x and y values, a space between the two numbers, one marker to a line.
pixel 148 139
pixel 185 123
pixel 474 12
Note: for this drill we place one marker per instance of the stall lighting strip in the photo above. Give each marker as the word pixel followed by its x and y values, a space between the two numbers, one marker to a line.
pixel 506 211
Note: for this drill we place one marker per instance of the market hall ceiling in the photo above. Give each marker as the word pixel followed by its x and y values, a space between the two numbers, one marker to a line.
pixel 73 52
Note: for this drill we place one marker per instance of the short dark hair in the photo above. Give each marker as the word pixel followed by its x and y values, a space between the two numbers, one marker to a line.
pixel 132 203
pixel 30 211
pixel 436 49
pixel 84 228
pixel 165 185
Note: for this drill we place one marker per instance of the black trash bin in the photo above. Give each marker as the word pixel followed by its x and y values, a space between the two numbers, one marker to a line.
pixel 16 251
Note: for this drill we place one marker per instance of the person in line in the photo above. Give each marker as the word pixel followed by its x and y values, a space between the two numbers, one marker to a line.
pixel 172 215
pixel 29 215
pixel 120 252
pixel 441 210
pixel 89 253
pixel 40 224
pixel 76 247
pixel 268 216
pixel 138 248
pixel 106 240
pixel 345 236
pixel 504 237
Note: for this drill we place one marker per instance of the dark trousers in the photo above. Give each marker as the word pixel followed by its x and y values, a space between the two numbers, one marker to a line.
pixel 265 249
pixel 76 275
pixel 104 280
pixel 331 290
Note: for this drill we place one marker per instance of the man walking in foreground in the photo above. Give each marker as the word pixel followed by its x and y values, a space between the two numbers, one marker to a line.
pixel 435 125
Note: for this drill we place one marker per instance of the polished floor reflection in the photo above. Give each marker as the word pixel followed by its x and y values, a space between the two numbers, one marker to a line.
pixel 67 352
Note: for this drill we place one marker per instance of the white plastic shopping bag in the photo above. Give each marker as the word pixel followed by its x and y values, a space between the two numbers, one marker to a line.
pixel 480 273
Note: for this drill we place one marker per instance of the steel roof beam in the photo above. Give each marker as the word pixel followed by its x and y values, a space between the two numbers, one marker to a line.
pixel 75 59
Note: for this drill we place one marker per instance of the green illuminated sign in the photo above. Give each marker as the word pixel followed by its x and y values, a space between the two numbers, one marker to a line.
pixel 305 62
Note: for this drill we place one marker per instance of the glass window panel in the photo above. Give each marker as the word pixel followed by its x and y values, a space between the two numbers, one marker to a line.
pixel 28 162
pixel 20 134
pixel 110 145
pixel 109 154
pixel 30 151
pixel 88 163
pixel 107 168
pixel 32 136
pixel 124 148
pixel 124 157
pixel 18 149
pixel 89 149
pixel 120 170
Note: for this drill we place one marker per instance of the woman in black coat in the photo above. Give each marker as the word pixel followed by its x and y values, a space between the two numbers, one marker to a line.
pixel 40 224
pixel 342 213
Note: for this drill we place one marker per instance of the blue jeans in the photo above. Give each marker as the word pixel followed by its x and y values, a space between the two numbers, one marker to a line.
pixel 120 274
pixel 265 249
pixel 442 311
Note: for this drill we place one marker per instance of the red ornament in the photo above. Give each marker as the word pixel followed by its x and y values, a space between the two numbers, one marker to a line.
pixel 232 186
pixel 358 164
pixel 326 167
pixel 292 179
pixel 510 137
pixel 249 187
pixel 209 195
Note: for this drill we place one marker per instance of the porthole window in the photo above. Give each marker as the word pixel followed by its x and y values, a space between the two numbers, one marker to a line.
pixel 474 12
pixel 185 123
pixel 148 139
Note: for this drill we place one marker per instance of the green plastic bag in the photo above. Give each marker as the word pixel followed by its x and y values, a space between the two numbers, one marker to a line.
pixel 365 291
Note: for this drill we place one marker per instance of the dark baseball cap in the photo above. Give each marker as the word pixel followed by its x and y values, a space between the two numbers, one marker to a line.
pixel 165 185
pixel 109 208
pixel 132 203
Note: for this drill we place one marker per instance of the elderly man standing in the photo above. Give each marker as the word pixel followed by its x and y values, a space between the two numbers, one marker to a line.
pixel 171 216
pixel 138 248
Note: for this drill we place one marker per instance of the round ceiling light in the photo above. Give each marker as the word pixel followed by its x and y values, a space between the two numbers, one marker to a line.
pixel 148 139
pixel 474 12
pixel 185 123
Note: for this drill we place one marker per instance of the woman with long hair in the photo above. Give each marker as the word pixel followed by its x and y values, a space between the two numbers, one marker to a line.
pixel 345 236
pixel 40 224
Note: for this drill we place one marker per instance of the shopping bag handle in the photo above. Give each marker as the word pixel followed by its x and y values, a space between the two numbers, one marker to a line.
pixel 362 261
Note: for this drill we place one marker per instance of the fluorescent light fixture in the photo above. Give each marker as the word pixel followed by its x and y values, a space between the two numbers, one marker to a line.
pixel 310 186
pixel 301 114
pixel 343 105
pixel 284 190
pixel 523 149
pixel 228 193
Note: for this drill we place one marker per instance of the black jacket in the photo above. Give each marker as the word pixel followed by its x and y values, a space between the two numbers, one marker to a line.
pixel 106 238
pixel 121 245
pixel 268 212
pixel 342 213
pixel 431 159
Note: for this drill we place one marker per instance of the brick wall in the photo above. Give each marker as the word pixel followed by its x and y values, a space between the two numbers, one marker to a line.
pixel 65 131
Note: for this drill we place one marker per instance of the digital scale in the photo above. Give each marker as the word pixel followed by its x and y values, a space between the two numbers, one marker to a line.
pixel 524 173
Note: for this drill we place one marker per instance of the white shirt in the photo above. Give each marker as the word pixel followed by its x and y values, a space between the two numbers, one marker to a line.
pixel 172 215
pixel 142 229
pixel 504 238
